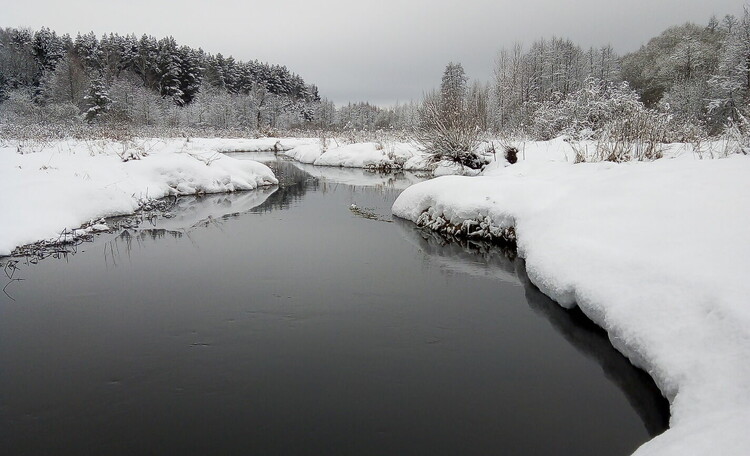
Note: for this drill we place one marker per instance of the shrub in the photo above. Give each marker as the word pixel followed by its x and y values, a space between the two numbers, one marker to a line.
pixel 452 138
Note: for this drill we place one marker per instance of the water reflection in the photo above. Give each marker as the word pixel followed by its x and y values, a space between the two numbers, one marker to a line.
pixel 196 211
pixel 293 184
pixel 361 177
pixel 479 258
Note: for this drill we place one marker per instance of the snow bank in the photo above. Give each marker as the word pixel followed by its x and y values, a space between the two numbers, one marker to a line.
pixel 71 182
pixel 361 155
pixel 561 149
pixel 655 253
pixel 306 153
pixel 250 145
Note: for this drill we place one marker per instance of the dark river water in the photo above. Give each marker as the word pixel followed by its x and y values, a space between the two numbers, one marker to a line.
pixel 280 322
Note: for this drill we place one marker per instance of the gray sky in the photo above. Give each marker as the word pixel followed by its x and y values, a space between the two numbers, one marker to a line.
pixel 370 50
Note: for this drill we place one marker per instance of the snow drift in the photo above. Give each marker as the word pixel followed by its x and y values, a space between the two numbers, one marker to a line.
pixel 69 183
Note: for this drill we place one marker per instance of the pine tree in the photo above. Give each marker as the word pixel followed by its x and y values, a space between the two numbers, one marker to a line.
pixel 48 49
pixel 190 74
pixel 145 62
pixel 97 100
pixel 86 47
pixel 453 92
pixel 169 67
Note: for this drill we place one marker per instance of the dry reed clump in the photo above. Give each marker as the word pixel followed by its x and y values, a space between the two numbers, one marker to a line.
pixel 638 135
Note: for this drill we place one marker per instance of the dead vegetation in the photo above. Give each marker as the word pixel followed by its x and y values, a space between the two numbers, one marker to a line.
pixel 368 213
pixel 481 229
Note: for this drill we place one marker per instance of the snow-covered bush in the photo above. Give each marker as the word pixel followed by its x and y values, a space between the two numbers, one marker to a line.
pixel 736 137
pixel 134 104
pixel 621 125
pixel 447 129
pixel 686 100
pixel 20 108
pixel 448 139
pixel 585 112
pixel 635 135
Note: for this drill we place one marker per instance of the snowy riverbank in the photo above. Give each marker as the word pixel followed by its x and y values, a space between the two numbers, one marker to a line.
pixel 405 155
pixel 655 253
pixel 54 186
pixel 60 186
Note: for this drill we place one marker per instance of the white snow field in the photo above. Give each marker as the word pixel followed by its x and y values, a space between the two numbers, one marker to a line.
pixel 658 254
pixel 62 185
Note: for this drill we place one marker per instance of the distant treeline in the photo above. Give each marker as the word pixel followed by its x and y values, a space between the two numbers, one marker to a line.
pixel 698 74
pixel 127 78
pixel 695 76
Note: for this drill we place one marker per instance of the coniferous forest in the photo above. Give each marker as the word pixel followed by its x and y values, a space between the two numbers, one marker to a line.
pixel 144 81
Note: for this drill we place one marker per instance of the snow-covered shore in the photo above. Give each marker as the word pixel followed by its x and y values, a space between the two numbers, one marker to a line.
pixel 655 253
pixel 62 185
pixel 50 187
pixel 405 155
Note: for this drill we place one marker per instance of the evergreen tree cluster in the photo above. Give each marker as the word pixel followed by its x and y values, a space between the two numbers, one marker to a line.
pixel 82 71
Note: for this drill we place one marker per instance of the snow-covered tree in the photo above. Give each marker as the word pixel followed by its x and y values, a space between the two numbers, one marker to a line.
pixel 17 64
pixel 48 49
pixel 145 62
pixel 549 71
pixel 731 84
pixel 169 70
pixel 190 74
pixel 678 54
pixel 453 93
pixel 97 100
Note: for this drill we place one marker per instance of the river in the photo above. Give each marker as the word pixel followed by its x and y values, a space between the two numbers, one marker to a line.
pixel 286 321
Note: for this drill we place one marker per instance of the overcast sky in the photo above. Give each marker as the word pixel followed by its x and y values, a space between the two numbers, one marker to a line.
pixel 370 50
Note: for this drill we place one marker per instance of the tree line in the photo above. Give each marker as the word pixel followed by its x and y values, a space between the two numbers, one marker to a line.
pixel 687 83
pixel 692 79
pixel 143 81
